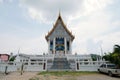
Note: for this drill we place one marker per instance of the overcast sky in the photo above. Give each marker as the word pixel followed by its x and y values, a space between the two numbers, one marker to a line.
pixel 24 24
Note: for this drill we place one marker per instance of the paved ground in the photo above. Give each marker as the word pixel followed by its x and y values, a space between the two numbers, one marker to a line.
pixel 28 75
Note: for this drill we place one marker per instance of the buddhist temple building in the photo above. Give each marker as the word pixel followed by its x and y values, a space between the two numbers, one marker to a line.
pixel 59 56
pixel 59 38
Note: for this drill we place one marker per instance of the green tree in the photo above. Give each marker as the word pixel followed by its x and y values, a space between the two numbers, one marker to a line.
pixel 12 58
pixel 95 57
pixel 114 57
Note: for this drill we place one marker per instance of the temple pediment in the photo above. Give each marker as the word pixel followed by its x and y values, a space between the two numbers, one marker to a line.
pixel 59 29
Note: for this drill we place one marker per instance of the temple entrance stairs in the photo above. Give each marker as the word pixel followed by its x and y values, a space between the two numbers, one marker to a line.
pixel 60 63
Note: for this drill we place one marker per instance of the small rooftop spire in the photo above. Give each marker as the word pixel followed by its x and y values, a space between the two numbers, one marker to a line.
pixel 59 13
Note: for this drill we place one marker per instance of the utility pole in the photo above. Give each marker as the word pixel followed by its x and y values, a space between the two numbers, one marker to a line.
pixel 101 52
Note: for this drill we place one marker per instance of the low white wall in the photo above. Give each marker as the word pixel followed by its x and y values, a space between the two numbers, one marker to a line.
pixel 88 68
pixel 10 68
pixel 39 66
pixel 34 68
pixel 88 65
pixel 17 67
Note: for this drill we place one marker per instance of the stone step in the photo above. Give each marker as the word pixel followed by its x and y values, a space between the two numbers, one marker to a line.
pixel 60 63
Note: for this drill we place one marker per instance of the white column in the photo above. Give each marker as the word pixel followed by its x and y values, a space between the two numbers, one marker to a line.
pixel 49 46
pixel 54 46
pixel 65 45
pixel 70 47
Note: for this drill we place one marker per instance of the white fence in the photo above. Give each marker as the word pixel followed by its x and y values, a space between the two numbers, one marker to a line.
pixel 88 65
pixel 27 66
pixel 42 66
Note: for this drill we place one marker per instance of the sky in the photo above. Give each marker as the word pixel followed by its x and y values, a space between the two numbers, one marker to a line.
pixel 24 24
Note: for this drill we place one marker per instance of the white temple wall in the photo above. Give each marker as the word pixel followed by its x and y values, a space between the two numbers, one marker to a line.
pixel 88 68
pixel 82 66
pixel 88 65
pixel 16 66
pixel 34 68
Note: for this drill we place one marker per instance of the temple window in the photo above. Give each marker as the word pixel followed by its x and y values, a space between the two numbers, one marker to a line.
pixel 51 45
pixel 68 44
pixel 59 44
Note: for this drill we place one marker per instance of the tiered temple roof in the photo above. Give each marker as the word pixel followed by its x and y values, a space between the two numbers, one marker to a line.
pixel 64 26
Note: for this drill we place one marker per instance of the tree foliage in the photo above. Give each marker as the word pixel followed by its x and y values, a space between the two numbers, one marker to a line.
pixel 114 57
pixel 95 57
pixel 12 58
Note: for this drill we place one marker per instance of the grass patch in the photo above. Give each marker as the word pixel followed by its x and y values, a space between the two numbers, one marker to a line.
pixel 61 73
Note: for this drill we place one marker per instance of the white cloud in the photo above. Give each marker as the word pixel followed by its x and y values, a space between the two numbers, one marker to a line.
pixel 87 19
pixel 11 43
pixel 116 23
pixel 47 10
pixel 94 5
pixel 1 1
pixel 90 28
pixel 109 41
